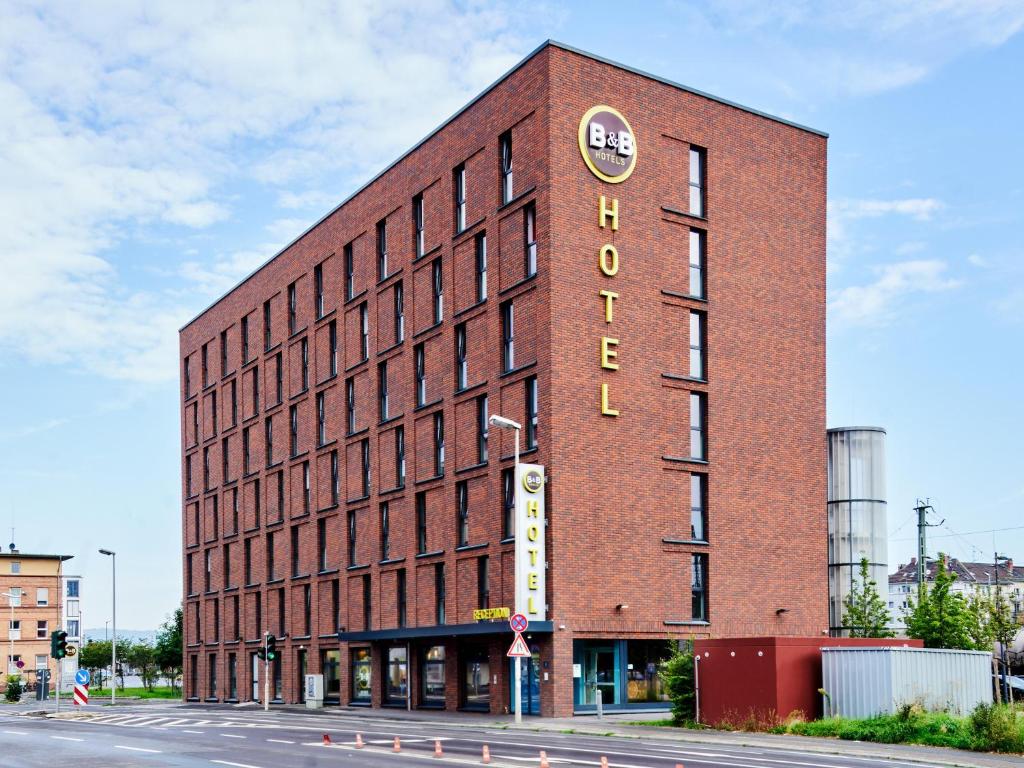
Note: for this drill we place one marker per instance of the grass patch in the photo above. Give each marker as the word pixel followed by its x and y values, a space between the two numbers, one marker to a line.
pixel 158 692
pixel 657 723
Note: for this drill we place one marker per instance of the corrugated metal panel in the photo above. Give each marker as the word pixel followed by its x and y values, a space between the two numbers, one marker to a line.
pixel 862 682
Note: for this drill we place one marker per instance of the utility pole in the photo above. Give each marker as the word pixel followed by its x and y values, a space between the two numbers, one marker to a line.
pixel 922 551
pixel 1004 683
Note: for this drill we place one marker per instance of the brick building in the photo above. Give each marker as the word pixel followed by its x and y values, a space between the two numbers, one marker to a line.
pixel 641 286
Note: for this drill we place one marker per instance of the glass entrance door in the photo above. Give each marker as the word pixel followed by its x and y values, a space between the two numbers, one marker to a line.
pixel 599 673
pixel 256 663
pixel 529 684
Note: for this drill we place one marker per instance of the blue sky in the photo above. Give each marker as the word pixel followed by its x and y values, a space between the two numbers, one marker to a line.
pixel 152 154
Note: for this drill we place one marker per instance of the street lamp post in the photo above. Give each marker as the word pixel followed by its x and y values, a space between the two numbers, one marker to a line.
pixel 113 623
pixel 10 631
pixel 1004 682
pixel 517 695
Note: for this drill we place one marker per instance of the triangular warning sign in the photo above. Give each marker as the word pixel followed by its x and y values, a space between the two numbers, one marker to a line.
pixel 519 648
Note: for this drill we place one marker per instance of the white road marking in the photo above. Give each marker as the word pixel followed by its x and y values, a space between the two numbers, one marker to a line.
pixel 232 736
pixel 66 738
pixel 235 765
pixel 17 733
pixel 185 730
pixel 280 741
pixel 137 749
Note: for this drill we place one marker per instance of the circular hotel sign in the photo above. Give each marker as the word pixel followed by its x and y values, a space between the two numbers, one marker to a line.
pixel 533 481
pixel 607 144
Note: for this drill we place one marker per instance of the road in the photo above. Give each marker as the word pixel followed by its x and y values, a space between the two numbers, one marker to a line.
pixel 172 734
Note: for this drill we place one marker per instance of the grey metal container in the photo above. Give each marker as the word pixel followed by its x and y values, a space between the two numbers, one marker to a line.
pixel 863 682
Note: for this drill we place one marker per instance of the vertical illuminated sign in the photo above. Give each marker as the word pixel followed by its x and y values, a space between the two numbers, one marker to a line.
pixel 531 581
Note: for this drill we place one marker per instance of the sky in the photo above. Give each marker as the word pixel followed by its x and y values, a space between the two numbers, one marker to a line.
pixel 152 154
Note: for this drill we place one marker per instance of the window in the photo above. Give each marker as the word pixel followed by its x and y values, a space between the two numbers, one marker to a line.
pixel 364 331
pixel 385 531
pixel 15 629
pixel 462 512
pixel 188 493
pixel 73 588
pixel 367 603
pixel 42 629
pixel 461 365
pixel 269 435
pixel 698 171
pixel 332 347
pixel 350 272
pixel 697 345
pixel 531 412
pixel 295 551
pixel 267 337
pixel 206 468
pixel 361 674
pixel 508 343
pixel 698 431
pixel 213 411
pixel 226 565
pixel 480 249
pixel 699 588
pixel 508 502
pixel 234 402
pixel 255 389
pixel 505 144
pixel 417 225
pixel 42 596
pixel 438 288
pixel 399 310
pixel 293 309
pixel 350 405
pixel 245 339
pixel 400 456
pixel 459 185
pixel 321 418
pixel 247 561
pixel 187 375
pixel 438 444
pixel 195 423
pixel 335 605
pixel 365 451
pixel 234 509
pixel 207 569
pixel 483 582
pixel 698 241
pixel 351 538
pixel 421 522
pixel 530 238
pixel 482 429
pixel 211 691
pixel 258 613
pixel 698 507
pixel 224 463
pixel 401 596
pixel 246 453
pixel 419 361
pixel 293 429
pixel 304 350
pixel 280 495
pixel 321 544
pixel 335 479
pixel 279 377
pixel 73 628
pixel 307 494
pixel 382 249
pixel 223 353
pixel 439 592
pixel 382 390
pixel 307 610
pixel 204 357
pixel 281 625
pixel 318 290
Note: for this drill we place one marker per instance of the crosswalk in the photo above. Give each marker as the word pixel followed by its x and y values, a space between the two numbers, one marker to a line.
pixel 135 720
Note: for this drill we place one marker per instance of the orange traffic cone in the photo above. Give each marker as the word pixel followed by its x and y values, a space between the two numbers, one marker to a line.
pixel 437 748
pixel 487 755
pixel 398 745
pixel 359 741
pixel 604 762
pixel 327 739
pixel 544 760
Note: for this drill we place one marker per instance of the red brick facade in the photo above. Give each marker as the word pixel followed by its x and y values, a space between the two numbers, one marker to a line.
pixel 618 493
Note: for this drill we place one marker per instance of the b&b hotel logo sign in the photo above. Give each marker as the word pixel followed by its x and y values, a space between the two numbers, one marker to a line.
pixel 607 144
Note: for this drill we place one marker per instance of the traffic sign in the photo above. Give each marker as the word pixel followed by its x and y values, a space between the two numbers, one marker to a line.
pixel 82 677
pixel 80 696
pixel 519 648
pixel 19 664
pixel 518 622
pixel 71 651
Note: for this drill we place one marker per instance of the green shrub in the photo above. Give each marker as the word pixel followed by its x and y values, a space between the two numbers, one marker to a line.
pixel 13 692
pixel 677 674
pixel 998 728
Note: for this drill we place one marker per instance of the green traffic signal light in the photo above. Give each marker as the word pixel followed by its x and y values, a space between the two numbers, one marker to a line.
pixel 271 647
pixel 58 644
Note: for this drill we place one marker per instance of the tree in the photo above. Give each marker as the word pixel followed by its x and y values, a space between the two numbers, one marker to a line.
pixel 168 649
pixel 864 612
pixel 141 656
pixel 95 657
pixel 941 617
pixel 678 675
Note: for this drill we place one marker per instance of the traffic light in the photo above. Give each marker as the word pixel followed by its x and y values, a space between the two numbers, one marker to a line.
pixel 58 644
pixel 261 654
pixel 271 647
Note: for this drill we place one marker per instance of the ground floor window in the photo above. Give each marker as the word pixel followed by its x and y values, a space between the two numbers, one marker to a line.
pixel 193 676
pixel 622 673
pixel 300 668
pixel 529 683
pixel 232 676
pixel 643 659
pixel 330 666
pixel 361 668
pixel 476 678
pixel 432 673
pixel 396 689
pixel 275 671
pixel 211 691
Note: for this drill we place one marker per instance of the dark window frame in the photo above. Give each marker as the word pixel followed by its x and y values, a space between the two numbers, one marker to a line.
pixel 505 155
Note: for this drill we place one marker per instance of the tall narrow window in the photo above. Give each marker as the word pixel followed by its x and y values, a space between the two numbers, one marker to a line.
pixel 438 288
pixel 698 429
pixel 352 538
pixel 318 290
pixel 531 412
pixel 188 476
pixel 438 444
pixel 421 522
pixel 505 143
pixel 256 389
pixel 459 185
pixel 295 551
pixel 321 418
pixel 382 249
pixel 699 587
pixel 225 471
pixel 307 491
pixel 267 336
pixel 482 430
pixel 280 495
pixel 350 406
pixel 244 333
pixel 268 434
pixel 698 507
pixel 698 240
pixel 223 353
pixel 350 271
pixel 401 596
pixel 439 592
pixel 367 603
pixel 213 410
pixel 419 361
pixel 461 364
pixel 385 531
pixel 293 309
pixel 697 345
pixel 480 248
pixel 417 225
pixel 332 347
pixel 335 478
pixel 698 178
pixel 271 574
pixel 335 604
pixel 462 512
pixel 400 456
pixel 293 430
pixel 365 452
pixel 508 343
pixel 307 610
pixel 530 239
pixel 206 468
pixel 399 313
pixel 247 561
pixel 279 377
pixel 382 390
pixel 234 401
pixel 483 582
pixel 246 452
pixel 508 502
pixel 304 356
pixel 204 355
pixel 187 375
pixel 321 544
pixel 364 331
pixel 234 509
pixel 281 626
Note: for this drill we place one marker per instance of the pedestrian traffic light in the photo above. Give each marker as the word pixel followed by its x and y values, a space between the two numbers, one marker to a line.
pixel 261 654
pixel 271 647
pixel 58 644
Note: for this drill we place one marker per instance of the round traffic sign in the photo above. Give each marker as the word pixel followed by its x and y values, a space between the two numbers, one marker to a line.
pixel 19 664
pixel 82 677
pixel 518 622
pixel 71 650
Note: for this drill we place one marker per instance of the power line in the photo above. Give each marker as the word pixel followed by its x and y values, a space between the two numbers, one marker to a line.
pixel 966 533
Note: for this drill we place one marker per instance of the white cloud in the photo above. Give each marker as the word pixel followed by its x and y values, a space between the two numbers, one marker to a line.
pixel 977 260
pixel 874 303
pixel 844 211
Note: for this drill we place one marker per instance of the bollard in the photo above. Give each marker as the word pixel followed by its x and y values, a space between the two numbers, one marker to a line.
pixel 398 745
pixel 437 748
pixel 599 699
pixel 359 741
pixel 486 756
pixel 327 739
pixel 544 760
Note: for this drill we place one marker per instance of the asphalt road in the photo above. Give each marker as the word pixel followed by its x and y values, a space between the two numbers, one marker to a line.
pixel 176 735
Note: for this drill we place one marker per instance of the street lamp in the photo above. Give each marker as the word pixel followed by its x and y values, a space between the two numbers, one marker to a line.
pixel 517 696
pixel 113 622
pixel 1004 682
pixel 10 628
